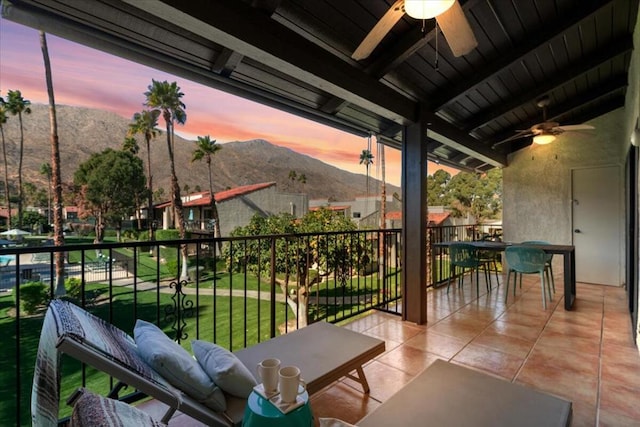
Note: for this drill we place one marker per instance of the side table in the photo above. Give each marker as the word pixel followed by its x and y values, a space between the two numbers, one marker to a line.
pixel 260 412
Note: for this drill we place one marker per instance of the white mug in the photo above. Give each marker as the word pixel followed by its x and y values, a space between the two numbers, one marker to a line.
pixel 268 373
pixel 289 384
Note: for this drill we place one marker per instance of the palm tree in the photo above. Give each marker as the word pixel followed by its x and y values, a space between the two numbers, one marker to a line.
pixel 165 97
pixel 145 123
pixel 366 159
pixel 130 145
pixel 17 105
pixel 45 169
pixel 383 209
pixel 205 148
pixel 58 235
pixel 7 198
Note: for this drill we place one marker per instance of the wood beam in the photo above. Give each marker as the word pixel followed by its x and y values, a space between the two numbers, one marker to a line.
pixel 249 32
pixel 451 94
pixel 619 47
pixel 226 62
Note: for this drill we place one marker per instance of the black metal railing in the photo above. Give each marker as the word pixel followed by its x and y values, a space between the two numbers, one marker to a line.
pixel 236 292
pixel 233 291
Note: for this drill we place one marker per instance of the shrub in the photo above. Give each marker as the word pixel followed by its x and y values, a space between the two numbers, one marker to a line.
pixel 172 267
pixel 167 235
pixel 130 235
pixel 73 285
pixel 32 296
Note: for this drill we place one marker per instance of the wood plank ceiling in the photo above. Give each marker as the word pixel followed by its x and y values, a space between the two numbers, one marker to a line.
pixel 296 55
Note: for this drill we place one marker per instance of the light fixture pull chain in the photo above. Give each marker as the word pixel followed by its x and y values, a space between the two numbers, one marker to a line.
pixel 436 62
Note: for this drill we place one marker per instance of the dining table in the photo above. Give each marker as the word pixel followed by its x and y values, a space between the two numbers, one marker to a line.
pixel 567 252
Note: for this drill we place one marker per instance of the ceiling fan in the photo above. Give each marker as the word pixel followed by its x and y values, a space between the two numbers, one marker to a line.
pixel 545 132
pixel 449 16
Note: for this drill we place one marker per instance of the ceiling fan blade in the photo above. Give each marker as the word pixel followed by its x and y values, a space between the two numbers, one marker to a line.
pixel 521 134
pixel 375 36
pixel 574 127
pixel 456 30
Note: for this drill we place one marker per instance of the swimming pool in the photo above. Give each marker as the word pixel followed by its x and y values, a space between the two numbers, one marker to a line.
pixel 6 259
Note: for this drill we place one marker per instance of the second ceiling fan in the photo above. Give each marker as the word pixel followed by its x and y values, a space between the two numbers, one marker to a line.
pixel 449 16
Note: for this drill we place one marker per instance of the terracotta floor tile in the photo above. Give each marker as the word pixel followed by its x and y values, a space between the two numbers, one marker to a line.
pixel 621 365
pixel 592 332
pixel 614 419
pixel 555 339
pixel 459 328
pixel 489 360
pixel 522 318
pixel 525 332
pixel 343 402
pixel 367 322
pixel 441 345
pixel 543 357
pixel 507 344
pixel 620 399
pixel 394 330
pixel 591 320
pixel 408 359
pixel 384 380
pixel 584 415
pixel 561 382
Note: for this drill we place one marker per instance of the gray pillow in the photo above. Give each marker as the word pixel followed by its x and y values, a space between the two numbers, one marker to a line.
pixel 224 368
pixel 176 365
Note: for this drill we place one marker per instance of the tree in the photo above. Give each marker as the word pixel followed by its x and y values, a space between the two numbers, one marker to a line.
pixel 467 193
pixel 7 195
pixel 145 123
pixel 17 106
pixel 45 169
pixel 366 159
pixel 292 177
pixel 130 145
pixel 383 209
pixel 108 184
pixel 165 97
pixel 58 232
pixel 438 190
pixel 205 149
pixel 293 260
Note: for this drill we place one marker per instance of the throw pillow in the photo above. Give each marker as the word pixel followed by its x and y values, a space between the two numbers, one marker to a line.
pixel 176 365
pixel 224 368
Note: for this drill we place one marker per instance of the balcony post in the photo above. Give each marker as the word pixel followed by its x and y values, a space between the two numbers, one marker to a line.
pixel 414 220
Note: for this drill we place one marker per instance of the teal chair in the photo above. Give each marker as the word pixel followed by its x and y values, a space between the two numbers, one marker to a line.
pixel 549 266
pixel 526 260
pixel 466 256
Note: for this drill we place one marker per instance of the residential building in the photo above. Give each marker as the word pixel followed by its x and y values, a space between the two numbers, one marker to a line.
pixel 235 206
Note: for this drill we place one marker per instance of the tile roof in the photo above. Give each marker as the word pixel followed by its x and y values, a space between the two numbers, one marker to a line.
pixel 221 196
pixel 435 218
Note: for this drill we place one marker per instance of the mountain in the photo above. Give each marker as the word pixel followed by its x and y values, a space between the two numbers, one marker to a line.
pixel 84 131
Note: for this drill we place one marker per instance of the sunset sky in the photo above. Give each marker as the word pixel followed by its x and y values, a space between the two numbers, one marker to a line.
pixel 90 78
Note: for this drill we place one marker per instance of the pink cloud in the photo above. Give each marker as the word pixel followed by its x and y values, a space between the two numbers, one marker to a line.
pixel 90 78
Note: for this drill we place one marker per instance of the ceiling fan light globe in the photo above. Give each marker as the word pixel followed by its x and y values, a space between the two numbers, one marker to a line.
pixel 544 139
pixel 426 9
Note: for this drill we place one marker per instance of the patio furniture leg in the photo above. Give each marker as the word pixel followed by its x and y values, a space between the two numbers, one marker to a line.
pixel 360 378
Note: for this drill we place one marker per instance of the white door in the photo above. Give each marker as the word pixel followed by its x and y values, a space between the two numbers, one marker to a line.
pixel 597 216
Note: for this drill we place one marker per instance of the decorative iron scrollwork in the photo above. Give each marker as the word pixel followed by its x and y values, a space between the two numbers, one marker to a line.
pixel 177 312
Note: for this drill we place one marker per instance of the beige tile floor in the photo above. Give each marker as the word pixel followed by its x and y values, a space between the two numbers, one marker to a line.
pixel 586 355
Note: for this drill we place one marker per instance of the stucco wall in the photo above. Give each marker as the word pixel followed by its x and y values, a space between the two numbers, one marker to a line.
pixel 537 180
pixel 239 210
